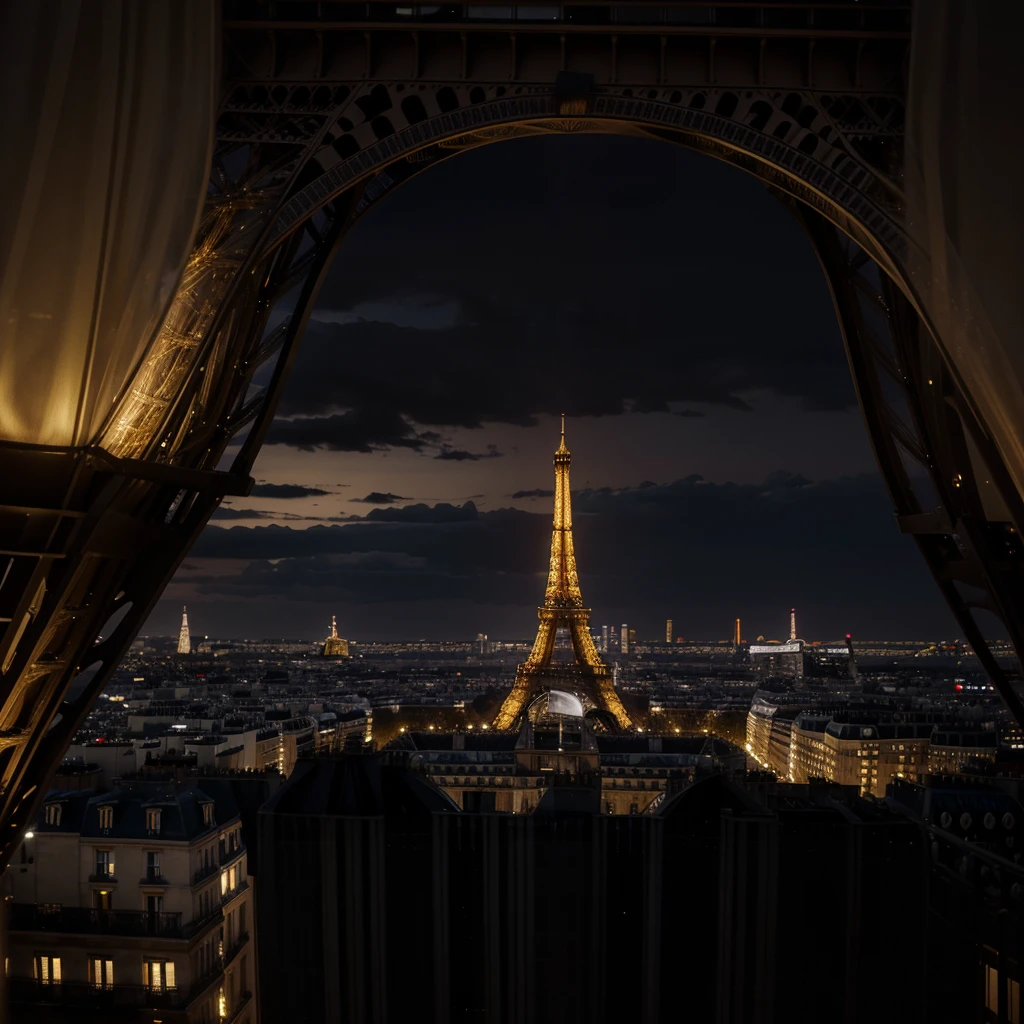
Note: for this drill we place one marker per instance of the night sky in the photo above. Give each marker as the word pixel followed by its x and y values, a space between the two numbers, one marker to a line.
pixel 674 311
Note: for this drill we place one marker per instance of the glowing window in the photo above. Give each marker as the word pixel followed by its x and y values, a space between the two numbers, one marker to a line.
pixel 47 969
pixel 101 972
pixel 158 975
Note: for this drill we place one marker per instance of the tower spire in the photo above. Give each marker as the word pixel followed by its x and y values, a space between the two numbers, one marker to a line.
pixel 184 638
pixel 563 606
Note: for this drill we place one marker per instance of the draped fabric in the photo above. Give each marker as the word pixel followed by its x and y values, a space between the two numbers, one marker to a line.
pixel 109 108
pixel 964 152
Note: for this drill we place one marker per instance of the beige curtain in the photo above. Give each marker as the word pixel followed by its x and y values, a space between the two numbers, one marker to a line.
pixel 964 167
pixel 107 136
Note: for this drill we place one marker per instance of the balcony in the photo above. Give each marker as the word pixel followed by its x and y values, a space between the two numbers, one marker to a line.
pixel 103 876
pixel 31 917
pixel 153 878
pixel 237 891
pixel 243 1002
pixel 204 873
pixel 227 856
pixel 233 950
pixel 82 994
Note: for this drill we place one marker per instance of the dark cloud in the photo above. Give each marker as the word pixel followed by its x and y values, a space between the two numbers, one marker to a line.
pixel 442 513
pixel 537 492
pixel 251 513
pixel 460 455
pixel 697 551
pixel 264 490
pixel 357 430
pixel 380 498
pixel 749 311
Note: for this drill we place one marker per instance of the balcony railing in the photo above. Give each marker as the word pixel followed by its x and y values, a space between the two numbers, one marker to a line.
pixel 153 878
pixel 232 893
pixel 234 1014
pixel 82 994
pixel 203 873
pixel 232 951
pixel 227 855
pixel 31 917
pixel 103 876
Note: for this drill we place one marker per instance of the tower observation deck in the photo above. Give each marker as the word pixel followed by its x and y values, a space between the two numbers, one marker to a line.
pixel 586 675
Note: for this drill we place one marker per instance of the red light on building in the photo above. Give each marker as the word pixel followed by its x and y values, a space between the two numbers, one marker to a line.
pixel 959 686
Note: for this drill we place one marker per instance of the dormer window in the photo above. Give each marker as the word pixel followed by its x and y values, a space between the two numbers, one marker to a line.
pixel 207 814
pixel 106 818
pixel 52 813
pixel 153 820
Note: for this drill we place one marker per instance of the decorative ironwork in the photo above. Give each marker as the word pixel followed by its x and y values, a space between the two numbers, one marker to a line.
pixel 321 119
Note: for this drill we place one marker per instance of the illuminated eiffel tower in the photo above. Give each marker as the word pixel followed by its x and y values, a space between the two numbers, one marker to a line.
pixel 587 675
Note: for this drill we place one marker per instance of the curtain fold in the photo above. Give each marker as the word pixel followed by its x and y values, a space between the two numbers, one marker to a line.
pixel 964 151
pixel 108 122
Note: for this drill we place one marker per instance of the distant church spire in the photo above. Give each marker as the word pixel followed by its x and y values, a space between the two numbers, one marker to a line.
pixel 184 639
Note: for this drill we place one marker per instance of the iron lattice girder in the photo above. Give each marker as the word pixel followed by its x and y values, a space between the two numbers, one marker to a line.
pixel 316 127
pixel 106 535
pixel 962 544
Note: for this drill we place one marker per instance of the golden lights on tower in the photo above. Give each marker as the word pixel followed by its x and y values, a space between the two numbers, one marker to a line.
pixel 563 606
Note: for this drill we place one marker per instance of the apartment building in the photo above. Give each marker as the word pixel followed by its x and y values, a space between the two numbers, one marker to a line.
pixel 137 900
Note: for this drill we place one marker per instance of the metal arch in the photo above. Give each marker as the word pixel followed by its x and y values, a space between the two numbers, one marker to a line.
pixel 86 516
pixel 75 558
pixel 918 415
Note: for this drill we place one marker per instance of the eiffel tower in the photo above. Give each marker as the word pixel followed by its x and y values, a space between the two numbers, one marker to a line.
pixel 587 676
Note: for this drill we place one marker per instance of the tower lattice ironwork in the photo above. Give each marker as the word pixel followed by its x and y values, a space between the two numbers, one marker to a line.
pixel 563 606
pixel 325 111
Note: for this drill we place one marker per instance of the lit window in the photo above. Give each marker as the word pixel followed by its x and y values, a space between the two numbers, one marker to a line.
pixel 46 969
pixel 52 814
pixel 104 864
pixel 1013 998
pixel 991 989
pixel 101 972
pixel 106 818
pixel 158 975
pixel 153 820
